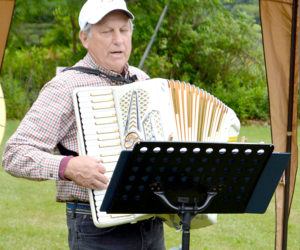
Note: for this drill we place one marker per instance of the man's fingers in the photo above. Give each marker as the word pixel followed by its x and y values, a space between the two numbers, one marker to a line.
pixel 98 186
pixel 87 172
pixel 102 168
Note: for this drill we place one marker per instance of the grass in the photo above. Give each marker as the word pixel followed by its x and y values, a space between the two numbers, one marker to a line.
pixel 31 219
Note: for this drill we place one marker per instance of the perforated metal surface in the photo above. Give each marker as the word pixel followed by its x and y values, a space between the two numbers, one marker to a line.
pixel 186 172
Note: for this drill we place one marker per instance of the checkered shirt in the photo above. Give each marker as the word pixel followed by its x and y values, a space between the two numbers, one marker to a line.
pixel 29 153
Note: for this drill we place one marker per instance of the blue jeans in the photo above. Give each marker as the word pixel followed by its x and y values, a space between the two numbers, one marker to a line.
pixel 143 235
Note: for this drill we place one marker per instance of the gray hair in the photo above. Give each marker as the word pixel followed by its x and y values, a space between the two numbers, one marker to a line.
pixel 87 28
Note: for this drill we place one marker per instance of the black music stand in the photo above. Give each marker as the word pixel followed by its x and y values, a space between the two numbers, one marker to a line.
pixel 194 177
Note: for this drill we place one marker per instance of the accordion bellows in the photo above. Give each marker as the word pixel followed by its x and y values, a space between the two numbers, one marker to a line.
pixel 200 116
pixel 113 118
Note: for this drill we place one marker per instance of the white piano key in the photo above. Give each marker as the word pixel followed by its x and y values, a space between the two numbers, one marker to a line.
pixel 110 167
pixel 89 106
pixel 92 144
pixel 99 114
pixel 110 159
pixel 88 94
pixel 106 120
pixel 95 139
pixel 103 144
pixel 98 131
pixel 91 137
pixel 91 128
pixel 104 129
pixel 109 143
pixel 102 92
pixel 108 174
pixel 85 101
pixel 103 98
pixel 98 203
pixel 108 136
pixel 111 152
pixel 104 105
pixel 99 192
pixel 95 155
pixel 104 115
pixel 96 151
pixel 87 111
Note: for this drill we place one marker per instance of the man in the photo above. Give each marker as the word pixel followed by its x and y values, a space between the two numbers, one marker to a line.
pixel 106 32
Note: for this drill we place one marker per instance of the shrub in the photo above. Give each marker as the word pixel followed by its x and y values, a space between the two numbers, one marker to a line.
pixel 25 72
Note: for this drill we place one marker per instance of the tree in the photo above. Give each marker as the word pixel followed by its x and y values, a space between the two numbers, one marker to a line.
pixel 203 43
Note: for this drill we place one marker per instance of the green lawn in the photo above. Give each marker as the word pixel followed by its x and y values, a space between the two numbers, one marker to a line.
pixel 31 219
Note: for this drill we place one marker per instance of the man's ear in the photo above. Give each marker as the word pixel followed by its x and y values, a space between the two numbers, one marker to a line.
pixel 83 38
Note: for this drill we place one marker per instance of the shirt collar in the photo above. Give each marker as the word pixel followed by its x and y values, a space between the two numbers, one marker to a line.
pixel 91 63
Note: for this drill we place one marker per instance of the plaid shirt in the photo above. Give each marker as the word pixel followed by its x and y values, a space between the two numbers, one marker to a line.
pixel 51 119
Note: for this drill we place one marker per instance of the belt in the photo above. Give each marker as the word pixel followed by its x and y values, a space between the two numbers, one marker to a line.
pixel 78 207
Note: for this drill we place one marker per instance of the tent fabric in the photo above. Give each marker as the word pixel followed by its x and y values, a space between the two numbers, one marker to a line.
pixel 6 11
pixel 276 20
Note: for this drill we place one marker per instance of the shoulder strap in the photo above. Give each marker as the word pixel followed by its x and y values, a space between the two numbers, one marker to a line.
pixel 99 73
pixel 64 151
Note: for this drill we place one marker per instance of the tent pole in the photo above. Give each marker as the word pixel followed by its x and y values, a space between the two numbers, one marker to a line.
pixel 290 122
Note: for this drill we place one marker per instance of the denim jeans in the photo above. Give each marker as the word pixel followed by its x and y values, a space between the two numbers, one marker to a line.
pixel 143 235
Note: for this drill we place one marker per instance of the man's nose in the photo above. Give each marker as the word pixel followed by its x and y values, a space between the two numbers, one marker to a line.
pixel 117 37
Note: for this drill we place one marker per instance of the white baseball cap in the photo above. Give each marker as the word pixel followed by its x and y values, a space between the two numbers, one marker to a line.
pixel 94 10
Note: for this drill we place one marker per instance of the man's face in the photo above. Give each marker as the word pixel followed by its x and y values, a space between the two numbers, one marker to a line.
pixel 109 41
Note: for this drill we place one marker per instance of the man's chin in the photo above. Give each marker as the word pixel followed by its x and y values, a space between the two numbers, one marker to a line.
pixel 118 67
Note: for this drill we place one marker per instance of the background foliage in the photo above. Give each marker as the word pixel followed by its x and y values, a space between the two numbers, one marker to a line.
pixel 213 44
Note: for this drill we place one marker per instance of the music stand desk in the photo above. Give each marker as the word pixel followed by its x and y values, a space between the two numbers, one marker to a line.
pixel 194 177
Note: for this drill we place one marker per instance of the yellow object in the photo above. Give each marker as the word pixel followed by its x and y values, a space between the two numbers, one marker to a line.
pixel 199 221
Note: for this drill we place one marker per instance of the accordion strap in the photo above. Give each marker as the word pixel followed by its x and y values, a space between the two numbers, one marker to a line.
pixel 64 151
pixel 99 73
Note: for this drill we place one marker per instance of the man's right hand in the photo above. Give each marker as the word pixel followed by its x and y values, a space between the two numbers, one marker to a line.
pixel 87 171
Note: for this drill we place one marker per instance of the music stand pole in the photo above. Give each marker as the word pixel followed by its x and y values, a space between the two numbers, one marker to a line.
pixel 186 219
pixel 186 213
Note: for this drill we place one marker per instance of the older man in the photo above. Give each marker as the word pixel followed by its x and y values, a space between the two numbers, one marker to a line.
pixel 106 32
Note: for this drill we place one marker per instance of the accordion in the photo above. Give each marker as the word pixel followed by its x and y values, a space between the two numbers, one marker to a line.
pixel 114 118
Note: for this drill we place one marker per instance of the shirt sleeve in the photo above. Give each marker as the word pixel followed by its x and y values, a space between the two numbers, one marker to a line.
pixel 29 152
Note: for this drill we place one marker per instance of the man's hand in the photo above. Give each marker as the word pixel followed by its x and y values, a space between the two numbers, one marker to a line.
pixel 87 171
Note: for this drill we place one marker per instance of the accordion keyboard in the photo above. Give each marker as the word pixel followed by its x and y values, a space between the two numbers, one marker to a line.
pixel 101 139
